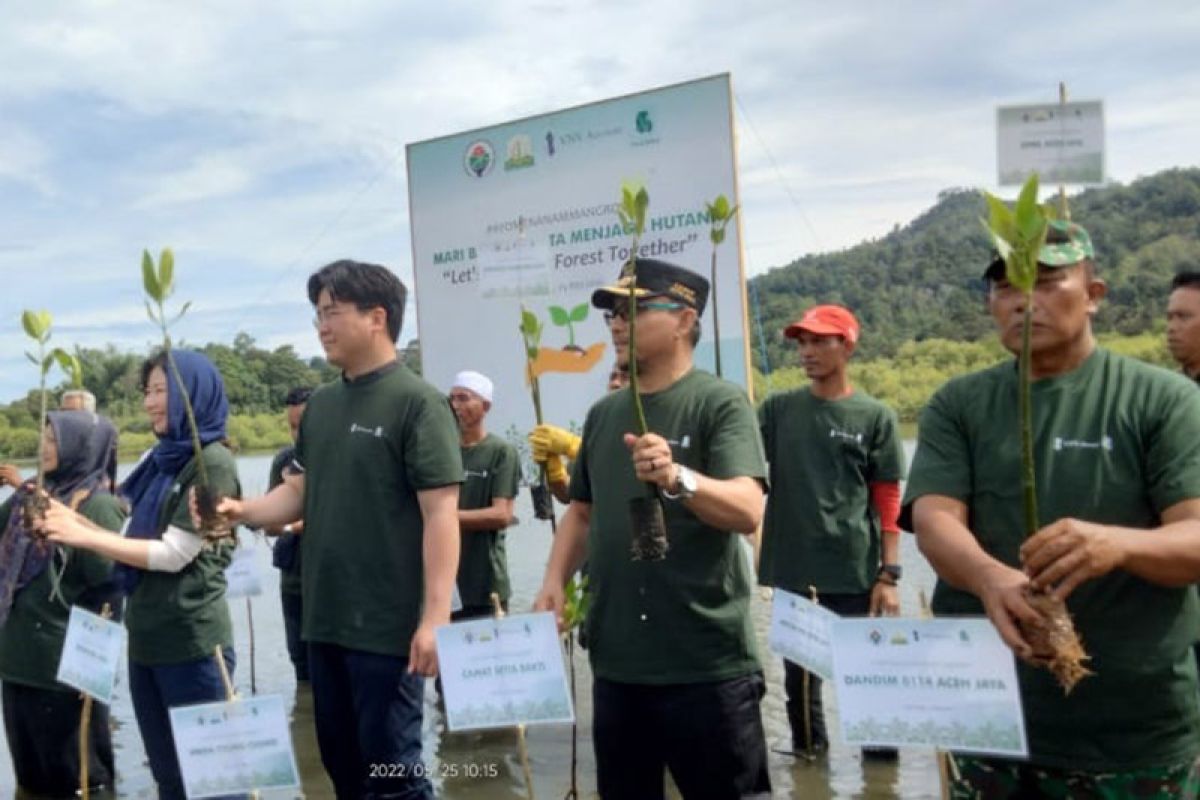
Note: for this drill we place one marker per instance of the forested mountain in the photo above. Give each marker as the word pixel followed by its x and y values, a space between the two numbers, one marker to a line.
pixel 921 281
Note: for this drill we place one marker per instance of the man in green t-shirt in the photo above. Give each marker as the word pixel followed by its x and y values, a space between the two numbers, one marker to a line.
pixel 285 553
pixel 831 529
pixel 1117 449
pixel 677 678
pixel 491 475
pixel 378 472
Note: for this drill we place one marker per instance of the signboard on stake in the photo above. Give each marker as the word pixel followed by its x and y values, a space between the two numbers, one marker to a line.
pixel 1062 142
pixel 525 213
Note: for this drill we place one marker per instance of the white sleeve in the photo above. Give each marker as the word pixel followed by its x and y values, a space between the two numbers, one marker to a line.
pixel 174 551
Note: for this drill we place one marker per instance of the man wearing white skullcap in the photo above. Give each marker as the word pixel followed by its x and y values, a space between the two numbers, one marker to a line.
pixel 491 474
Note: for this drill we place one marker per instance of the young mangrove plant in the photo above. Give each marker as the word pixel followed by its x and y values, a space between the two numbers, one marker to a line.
pixel 158 281
pixel 1018 235
pixel 720 214
pixel 646 512
pixel 531 338
pixel 37 326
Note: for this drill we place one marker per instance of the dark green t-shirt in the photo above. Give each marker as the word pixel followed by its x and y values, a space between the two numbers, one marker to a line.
pixel 31 640
pixel 491 469
pixel 367 447
pixel 821 529
pixel 1116 441
pixel 685 619
pixel 289 579
pixel 175 617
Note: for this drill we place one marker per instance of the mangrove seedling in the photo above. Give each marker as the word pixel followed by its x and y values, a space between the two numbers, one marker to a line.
pixel 531 337
pixel 646 512
pixel 37 327
pixel 567 319
pixel 158 281
pixel 720 214
pixel 1018 235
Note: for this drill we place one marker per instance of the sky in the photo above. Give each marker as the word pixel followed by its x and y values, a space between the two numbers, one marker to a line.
pixel 261 140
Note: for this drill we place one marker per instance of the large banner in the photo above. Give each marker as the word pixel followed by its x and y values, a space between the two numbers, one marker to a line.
pixel 524 214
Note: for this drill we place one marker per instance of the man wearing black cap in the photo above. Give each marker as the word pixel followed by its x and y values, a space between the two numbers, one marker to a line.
pixel 1117 448
pixel 677 677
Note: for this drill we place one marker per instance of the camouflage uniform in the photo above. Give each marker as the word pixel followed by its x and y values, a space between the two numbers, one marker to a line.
pixel 995 779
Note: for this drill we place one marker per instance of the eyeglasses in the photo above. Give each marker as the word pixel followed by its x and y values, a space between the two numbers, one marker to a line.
pixel 325 315
pixel 642 305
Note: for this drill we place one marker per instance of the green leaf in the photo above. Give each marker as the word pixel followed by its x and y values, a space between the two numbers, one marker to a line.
pixel 166 272
pixel 69 364
pixel 579 313
pixel 720 208
pixel 150 278
pixel 32 358
pixel 1000 219
pixel 183 311
pixel 36 324
pixel 529 323
pixel 559 315
pixel 150 312
pixel 531 353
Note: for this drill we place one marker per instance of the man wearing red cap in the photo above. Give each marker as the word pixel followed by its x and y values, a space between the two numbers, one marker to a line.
pixel 836 464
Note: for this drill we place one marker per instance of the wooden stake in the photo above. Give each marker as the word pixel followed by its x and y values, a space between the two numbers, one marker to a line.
pixel 85 724
pixel 1063 210
pixel 522 746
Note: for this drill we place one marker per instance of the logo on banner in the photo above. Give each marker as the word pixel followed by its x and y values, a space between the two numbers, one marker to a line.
pixel 479 158
pixel 643 123
pixel 520 152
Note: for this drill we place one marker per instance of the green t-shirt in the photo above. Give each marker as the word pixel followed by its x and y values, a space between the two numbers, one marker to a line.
pixel 1116 442
pixel 289 579
pixel 31 640
pixel 685 619
pixel 491 469
pixel 367 447
pixel 175 617
pixel 821 529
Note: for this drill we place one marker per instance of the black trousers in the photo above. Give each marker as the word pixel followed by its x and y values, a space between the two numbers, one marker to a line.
pixel 806 712
pixel 709 735
pixel 42 726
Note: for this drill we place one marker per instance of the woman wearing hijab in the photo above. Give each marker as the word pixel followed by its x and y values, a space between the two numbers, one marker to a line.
pixel 39 582
pixel 176 613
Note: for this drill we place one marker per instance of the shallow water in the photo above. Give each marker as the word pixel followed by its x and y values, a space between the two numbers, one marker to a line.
pixel 486 766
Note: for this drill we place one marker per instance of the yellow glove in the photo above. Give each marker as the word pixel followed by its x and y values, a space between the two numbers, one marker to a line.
pixel 549 440
pixel 556 471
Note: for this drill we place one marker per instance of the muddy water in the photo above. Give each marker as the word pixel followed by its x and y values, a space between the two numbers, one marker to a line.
pixel 485 766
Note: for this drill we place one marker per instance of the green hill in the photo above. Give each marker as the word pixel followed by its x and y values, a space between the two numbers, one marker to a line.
pixel 921 281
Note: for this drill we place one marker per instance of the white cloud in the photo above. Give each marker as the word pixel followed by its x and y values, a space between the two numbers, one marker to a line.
pixel 262 139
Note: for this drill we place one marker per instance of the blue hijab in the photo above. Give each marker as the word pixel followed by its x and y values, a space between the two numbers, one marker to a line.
pixel 148 485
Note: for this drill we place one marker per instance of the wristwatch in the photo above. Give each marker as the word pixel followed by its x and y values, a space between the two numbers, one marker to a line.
pixel 893 571
pixel 685 485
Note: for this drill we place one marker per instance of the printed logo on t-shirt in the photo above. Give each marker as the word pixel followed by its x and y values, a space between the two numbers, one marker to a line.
pixel 834 433
pixel 683 443
pixel 1105 443
pixel 377 431
pixel 469 473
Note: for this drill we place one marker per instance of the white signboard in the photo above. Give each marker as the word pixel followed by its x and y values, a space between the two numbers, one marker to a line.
pixel 1062 142
pixel 947 683
pixel 243 576
pixel 497 673
pixel 234 747
pixel 524 214
pixel 800 631
pixel 91 654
